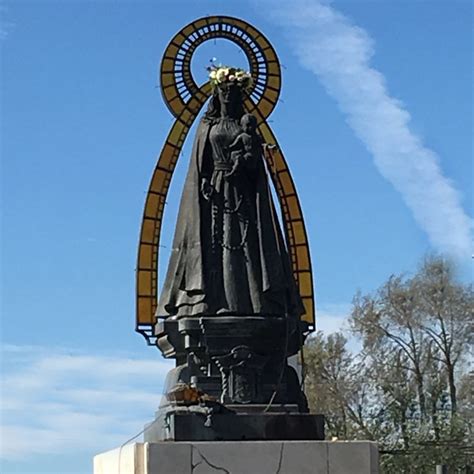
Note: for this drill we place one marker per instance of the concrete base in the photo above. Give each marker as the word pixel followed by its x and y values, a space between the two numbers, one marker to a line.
pixel 240 457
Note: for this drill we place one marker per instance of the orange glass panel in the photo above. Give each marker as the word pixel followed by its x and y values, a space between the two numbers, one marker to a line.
pixel 177 105
pixel 274 82
pixel 186 116
pixel 144 283
pixel 309 310
pixel 171 50
pixel 305 284
pixel 167 65
pixel 286 182
pixel 302 256
pixel 265 107
pixel 145 257
pixel 270 55
pixel 167 79
pixel 271 95
pixel 148 231
pixel 152 205
pixel 298 232
pixel 188 30
pixel 262 42
pixel 168 157
pixel 176 132
pixel 170 93
pixel 279 162
pixel 293 207
pixel 145 311
pixel 200 24
pixel 160 181
pixel 194 105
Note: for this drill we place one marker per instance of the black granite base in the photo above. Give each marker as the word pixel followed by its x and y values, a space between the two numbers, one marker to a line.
pixel 176 426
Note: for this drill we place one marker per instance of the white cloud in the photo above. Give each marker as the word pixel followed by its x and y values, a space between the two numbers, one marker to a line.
pixel 333 318
pixel 339 53
pixel 57 401
pixel 5 26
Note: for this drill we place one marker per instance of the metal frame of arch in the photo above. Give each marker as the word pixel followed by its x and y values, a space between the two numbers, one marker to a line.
pixel 185 99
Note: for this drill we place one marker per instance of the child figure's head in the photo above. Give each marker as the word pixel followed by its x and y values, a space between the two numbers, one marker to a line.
pixel 248 122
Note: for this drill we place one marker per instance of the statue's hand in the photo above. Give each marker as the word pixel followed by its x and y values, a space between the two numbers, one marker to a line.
pixel 206 189
pixel 234 170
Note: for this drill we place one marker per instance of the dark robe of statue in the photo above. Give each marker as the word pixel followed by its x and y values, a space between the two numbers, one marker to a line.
pixel 228 256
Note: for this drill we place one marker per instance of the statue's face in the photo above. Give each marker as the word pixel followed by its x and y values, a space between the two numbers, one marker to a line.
pixel 228 93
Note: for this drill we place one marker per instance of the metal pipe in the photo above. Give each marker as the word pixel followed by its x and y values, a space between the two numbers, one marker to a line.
pixel 441 469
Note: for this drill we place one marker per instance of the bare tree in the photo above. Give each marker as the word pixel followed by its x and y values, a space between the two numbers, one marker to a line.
pixel 409 387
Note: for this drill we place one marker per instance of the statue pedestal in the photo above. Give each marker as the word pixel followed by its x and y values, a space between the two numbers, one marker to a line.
pixel 195 425
pixel 241 457
pixel 233 359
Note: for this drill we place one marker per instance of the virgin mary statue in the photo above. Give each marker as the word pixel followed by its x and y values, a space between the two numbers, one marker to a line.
pixel 229 256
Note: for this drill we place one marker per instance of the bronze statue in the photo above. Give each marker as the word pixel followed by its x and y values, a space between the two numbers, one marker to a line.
pixel 228 256
pixel 237 299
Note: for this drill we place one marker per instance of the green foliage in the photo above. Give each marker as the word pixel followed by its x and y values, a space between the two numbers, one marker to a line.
pixel 409 388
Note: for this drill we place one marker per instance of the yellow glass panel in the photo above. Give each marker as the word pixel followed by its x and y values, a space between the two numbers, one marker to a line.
pixel 299 233
pixel 145 311
pixel 171 50
pixel 280 164
pixel 170 93
pixel 194 105
pixel 145 257
pixel 270 55
pixel 159 183
pixel 179 38
pixel 309 310
pixel 152 205
pixel 251 31
pixel 168 157
pixel 167 65
pixel 144 283
pixel 186 115
pixel 293 207
pixel 274 82
pixel 148 231
pixel 175 134
pixel 302 256
pixel 305 284
pixel 200 23
pixel 167 79
pixel 265 107
pixel 266 135
pixel 262 42
pixel 188 30
pixel 286 182
pixel 206 89
pixel 177 105
pixel 271 95
pixel 273 69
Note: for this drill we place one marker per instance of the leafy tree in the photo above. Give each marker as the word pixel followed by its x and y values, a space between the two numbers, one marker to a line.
pixel 408 388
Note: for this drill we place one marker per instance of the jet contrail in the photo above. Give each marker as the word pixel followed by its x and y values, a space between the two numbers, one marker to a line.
pixel 339 53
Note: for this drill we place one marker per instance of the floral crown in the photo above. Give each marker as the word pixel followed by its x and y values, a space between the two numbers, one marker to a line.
pixel 224 74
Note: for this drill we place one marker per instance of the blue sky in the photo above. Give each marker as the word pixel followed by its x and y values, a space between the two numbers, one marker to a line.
pixel 375 122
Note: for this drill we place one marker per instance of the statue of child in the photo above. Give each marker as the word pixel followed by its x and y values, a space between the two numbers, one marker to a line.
pixel 247 146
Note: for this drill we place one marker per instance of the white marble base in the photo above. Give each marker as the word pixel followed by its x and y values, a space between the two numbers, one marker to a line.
pixel 241 457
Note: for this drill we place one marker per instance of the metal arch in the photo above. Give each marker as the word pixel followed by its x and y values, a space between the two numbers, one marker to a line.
pixel 185 99
pixel 177 84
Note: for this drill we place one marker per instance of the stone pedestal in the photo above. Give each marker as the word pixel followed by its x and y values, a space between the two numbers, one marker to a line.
pixel 197 426
pixel 240 457
pixel 233 359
